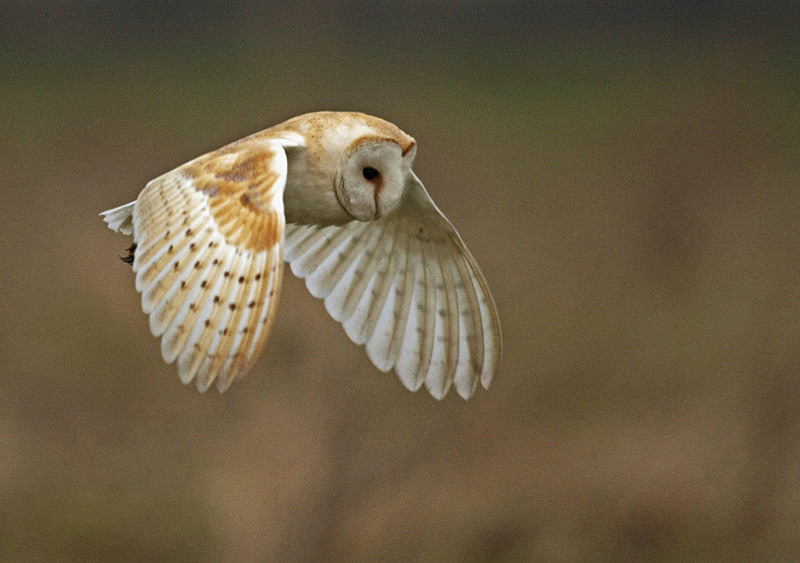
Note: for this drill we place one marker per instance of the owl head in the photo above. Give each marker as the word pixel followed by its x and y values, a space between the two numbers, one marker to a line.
pixel 372 173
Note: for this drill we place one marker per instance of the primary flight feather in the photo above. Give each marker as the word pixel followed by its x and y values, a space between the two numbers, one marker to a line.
pixel 332 194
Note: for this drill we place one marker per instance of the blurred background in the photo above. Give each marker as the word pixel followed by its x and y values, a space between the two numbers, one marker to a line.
pixel 626 174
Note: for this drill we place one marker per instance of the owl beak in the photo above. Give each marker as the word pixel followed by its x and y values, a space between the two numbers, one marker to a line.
pixel 375 194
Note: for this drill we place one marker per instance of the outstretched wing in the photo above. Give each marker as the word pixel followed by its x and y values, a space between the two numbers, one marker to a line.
pixel 407 287
pixel 208 257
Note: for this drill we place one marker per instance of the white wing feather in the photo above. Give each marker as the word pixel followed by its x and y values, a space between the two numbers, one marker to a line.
pixel 407 287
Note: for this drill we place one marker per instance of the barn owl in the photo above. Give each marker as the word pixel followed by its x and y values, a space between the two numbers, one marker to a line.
pixel 332 194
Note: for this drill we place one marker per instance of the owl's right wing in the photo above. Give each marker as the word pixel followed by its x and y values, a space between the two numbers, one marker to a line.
pixel 407 287
pixel 208 259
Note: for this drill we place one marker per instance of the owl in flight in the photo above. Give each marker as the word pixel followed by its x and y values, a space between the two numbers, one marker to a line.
pixel 332 194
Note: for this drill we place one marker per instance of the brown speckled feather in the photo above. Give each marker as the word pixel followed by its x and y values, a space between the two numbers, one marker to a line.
pixel 208 261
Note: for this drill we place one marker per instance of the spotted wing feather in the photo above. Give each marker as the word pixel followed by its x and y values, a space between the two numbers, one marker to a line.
pixel 208 260
pixel 406 287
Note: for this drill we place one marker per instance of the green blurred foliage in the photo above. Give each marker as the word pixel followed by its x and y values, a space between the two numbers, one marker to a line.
pixel 627 177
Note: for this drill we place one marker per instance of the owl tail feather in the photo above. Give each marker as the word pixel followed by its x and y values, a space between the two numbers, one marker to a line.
pixel 120 219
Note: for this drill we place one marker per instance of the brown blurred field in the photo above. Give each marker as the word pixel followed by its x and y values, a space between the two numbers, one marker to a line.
pixel 629 183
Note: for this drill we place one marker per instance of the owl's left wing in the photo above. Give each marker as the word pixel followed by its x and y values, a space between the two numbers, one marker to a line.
pixel 407 287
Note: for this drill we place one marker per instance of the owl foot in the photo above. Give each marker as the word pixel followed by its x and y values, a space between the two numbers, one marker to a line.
pixel 129 258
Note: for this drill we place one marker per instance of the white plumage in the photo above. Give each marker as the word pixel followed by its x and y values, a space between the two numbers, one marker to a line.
pixel 333 194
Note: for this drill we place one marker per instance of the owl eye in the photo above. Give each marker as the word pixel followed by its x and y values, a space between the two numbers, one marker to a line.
pixel 370 173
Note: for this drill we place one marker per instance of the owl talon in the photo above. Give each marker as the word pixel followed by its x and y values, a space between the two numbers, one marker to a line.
pixel 131 250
